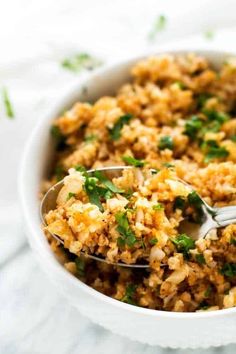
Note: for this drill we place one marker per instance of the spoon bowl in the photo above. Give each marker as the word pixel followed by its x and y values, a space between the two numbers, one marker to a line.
pixel 212 218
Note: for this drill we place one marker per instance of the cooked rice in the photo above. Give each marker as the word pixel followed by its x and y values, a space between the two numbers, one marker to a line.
pixel 179 118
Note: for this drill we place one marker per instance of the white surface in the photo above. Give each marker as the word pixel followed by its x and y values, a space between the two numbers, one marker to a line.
pixel 35 36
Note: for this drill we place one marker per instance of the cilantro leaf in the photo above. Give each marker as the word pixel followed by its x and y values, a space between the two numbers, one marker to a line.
pixel 80 266
pixel 129 294
pixel 90 138
pixel 183 243
pixel 200 258
pixel 132 161
pixel 127 236
pixel 7 103
pixel 70 195
pixel 213 115
pixel 158 207
pixel 106 182
pixel 166 142
pixel 92 192
pixel 214 151
pixel 159 25
pixel 193 126
pixel 179 203
pixel 229 270
pixel 81 61
pixel 115 132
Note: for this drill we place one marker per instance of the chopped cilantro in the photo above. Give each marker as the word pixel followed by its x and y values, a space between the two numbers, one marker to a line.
pixel 213 115
pixel 158 207
pixel 81 61
pixel 159 25
pixel 93 192
pixel 153 241
pixel 200 258
pixel 132 161
pixel 58 137
pixel 180 84
pixel 70 195
pixel 128 194
pixel 115 132
pixel 213 151
pixel 179 203
pixel 80 168
pixel 7 103
pixel 209 34
pixel 127 236
pixel 106 182
pixel 129 294
pixel 80 266
pixel 60 173
pixel 195 201
pixel 229 270
pixel 233 241
pixel 168 165
pixel 202 99
pixel 193 126
pixel 183 243
pixel 166 142
pixel 233 138
pixel 208 291
pixel 90 138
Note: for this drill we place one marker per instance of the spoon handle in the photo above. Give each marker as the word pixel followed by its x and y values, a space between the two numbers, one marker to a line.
pixel 225 216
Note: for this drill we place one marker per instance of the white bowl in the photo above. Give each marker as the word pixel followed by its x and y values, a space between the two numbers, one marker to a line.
pixel 167 329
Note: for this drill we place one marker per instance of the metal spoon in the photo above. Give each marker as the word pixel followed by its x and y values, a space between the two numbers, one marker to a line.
pixel 212 217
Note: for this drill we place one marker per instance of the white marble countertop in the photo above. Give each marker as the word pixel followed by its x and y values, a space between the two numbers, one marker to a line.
pixel 35 36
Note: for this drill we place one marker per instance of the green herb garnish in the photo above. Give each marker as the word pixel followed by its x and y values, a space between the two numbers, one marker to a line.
pixel 166 142
pixel 209 34
pixel 213 151
pixel 229 270
pixel 58 137
pixel 132 161
pixel 181 85
pixel 127 236
pixel 70 195
pixel 208 291
pixel 80 266
pixel 159 25
pixel 92 191
pixel 129 294
pixel 202 99
pixel 90 138
pixel 193 126
pixel 158 207
pixel 195 201
pixel 115 132
pixel 213 115
pixel 200 258
pixel 183 243
pixel 60 173
pixel 7 103
pixel 106 182
pixel 168 165
pixel 81 61
pixel 153 241
pixel 179 203
pixel 233 138
pixel 81 169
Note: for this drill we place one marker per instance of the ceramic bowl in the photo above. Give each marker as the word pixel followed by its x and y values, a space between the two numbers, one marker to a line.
pixel 167 329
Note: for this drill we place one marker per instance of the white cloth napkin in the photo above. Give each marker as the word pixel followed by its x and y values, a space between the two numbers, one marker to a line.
pixel 35 36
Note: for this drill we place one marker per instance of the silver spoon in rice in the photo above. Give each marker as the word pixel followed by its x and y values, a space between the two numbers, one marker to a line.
pixel 211 217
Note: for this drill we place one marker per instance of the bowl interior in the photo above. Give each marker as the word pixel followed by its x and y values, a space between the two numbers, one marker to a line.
pixel 39 151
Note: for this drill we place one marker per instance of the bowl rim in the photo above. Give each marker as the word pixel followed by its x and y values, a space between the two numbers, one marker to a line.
pixel 37 237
